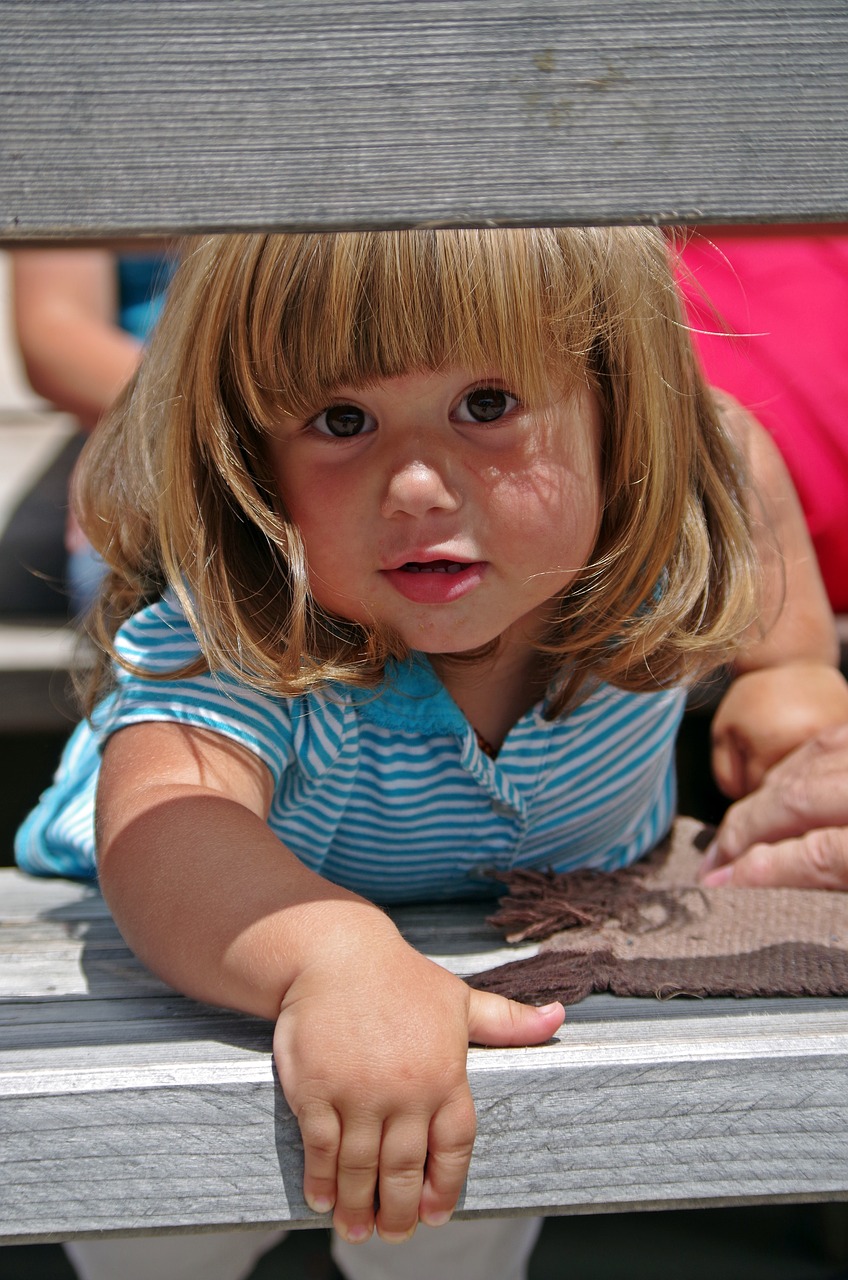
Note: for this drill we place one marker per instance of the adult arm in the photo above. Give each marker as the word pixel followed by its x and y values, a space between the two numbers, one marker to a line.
pixel 787 686
pixel 371 1037
pixel 65 311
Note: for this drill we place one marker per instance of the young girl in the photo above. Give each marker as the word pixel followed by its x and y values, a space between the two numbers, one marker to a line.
pixel 415 540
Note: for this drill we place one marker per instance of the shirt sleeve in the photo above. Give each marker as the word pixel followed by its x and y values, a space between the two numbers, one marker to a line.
pixel 158 641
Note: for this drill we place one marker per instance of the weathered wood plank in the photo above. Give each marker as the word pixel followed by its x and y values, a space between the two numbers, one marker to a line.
pixel 124 1107
pixel 117 117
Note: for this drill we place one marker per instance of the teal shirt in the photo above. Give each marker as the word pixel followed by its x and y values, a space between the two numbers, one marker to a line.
pixel 386 791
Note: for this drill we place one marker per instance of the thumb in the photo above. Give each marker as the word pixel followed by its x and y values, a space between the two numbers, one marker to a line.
pixel 494 1020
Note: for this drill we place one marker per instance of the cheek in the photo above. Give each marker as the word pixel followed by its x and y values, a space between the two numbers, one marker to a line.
pixel 551 513
pixel 576 498
pixel 569 527
pixel 314 502
pixel 551 488
pixel 324 508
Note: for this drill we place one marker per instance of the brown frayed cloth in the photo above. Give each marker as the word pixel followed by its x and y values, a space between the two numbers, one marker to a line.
pixel 787 969
pixel 650 930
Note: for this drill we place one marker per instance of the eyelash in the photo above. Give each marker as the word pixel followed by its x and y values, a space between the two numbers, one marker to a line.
pixel 342 406
pixel 313 422
pixel 483 387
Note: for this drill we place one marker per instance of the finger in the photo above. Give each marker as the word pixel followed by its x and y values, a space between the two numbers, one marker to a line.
pixel 403 1154
pixel 451 1140
pixel 494 1020
pixel 818 860
pixel 321 1133
pixel 826 753
pixel 792 802
pixel 729 766
pixel 356 1179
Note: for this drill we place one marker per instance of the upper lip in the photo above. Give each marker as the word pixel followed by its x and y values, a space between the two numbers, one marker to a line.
pixel 428 557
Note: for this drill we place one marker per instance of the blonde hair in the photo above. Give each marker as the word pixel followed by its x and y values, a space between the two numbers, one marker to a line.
pixel 176 489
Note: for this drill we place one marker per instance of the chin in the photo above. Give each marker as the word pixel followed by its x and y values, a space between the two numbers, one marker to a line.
pixel 466 652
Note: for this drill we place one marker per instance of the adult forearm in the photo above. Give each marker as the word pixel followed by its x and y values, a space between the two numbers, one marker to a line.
pixel 796 621
pixel 80 367
pixel 65 310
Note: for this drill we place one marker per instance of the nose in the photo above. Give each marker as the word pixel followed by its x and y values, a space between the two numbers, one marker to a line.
pixel 417 485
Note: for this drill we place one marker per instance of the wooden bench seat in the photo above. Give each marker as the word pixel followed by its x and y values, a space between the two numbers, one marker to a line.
pixel 209 116
pixel 125 1107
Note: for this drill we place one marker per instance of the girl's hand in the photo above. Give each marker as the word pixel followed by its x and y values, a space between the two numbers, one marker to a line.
pixel 769 712
pixel 371 1047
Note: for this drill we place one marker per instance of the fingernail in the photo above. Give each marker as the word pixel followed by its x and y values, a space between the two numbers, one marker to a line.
pixel 708 861
pixel 724 875
pixel 357 1235
pixel 437 1219
pixel 319 1204
pixel 397 1237
pixel 549 1008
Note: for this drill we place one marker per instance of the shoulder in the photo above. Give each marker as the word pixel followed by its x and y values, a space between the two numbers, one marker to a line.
pixel 161 676
pixel 158 640
pixel 611 719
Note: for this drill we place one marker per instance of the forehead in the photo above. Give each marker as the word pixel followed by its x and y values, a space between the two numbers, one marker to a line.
pixel 359 308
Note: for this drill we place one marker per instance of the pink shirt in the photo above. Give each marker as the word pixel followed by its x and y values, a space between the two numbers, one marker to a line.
pixel 783 295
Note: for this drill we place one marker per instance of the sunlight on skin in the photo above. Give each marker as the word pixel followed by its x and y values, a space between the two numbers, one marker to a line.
pixel 422 483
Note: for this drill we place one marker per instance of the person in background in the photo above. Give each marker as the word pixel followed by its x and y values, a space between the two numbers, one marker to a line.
pixel 82 316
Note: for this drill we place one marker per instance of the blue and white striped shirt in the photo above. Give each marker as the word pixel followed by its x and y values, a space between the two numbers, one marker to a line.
pixel 386 791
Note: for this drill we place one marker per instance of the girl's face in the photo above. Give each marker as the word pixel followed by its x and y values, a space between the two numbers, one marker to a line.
pixel 439 505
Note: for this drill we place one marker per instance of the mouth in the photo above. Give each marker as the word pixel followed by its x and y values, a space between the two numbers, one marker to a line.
pixel 432 566
pixel 439 581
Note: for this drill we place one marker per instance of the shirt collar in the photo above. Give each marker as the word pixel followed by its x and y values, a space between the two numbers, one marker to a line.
pixel 411 697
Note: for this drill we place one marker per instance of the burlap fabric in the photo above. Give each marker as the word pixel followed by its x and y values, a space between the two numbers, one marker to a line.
pixel 650 930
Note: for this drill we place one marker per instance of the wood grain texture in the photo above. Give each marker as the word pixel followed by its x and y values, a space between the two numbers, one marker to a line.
pixel 118 117
pixel 124 1107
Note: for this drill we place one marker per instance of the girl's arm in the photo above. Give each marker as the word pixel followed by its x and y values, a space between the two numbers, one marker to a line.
pixel 787 684
pixel 371 1037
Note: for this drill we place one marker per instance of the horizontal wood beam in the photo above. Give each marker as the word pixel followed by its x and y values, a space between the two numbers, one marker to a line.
pixel 126 1108
pixel 124 118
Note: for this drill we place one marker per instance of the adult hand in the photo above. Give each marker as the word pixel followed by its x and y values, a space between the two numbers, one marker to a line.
pixel 793 830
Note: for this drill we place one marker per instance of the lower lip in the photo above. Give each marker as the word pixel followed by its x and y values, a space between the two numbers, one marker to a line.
pixel 436 588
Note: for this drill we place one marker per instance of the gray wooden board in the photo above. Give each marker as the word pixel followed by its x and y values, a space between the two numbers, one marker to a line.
pixel 120 117
pixel 126 1108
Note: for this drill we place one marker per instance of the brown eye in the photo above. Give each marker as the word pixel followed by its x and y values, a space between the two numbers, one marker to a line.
pixel 343 420
pixel 485 404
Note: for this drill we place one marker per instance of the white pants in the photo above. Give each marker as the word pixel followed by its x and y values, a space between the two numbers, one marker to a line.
pixel 479 1249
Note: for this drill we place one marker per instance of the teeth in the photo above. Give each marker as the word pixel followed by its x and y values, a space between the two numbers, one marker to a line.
pixel 443 566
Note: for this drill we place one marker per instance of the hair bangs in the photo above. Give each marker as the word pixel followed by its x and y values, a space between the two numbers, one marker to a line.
pixel 322 312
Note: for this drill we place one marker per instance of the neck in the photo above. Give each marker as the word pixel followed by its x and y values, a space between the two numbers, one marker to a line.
pixel 494 692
